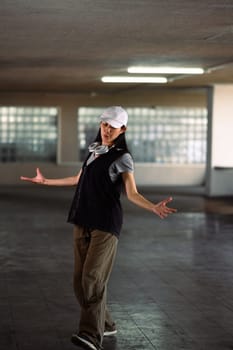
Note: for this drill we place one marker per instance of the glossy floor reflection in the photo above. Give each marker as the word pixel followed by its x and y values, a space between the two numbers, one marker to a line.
pixel 171 287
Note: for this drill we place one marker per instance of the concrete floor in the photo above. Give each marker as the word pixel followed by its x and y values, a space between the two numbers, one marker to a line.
pixel 171 287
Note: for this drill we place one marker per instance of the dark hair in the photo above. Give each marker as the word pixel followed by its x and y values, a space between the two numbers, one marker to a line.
pixel 120 141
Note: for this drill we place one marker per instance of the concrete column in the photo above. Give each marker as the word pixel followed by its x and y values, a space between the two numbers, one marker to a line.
pixel 67 140
pixel 220 142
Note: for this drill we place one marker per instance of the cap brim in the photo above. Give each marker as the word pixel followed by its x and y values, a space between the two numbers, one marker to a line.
pixel 112 122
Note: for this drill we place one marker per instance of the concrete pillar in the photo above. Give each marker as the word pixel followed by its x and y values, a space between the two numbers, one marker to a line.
pixel 220 142
pixel 67 139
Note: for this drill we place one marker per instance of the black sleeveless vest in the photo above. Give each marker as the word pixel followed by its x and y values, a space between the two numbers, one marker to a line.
pixel 96 203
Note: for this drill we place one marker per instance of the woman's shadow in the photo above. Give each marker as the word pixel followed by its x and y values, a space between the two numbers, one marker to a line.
pixel 110 343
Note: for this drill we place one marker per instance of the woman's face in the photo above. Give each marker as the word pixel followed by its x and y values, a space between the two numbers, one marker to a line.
pixel 109 133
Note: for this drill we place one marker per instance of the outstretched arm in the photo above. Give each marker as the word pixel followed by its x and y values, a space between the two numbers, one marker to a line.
pixel 40 179
pixel 134 196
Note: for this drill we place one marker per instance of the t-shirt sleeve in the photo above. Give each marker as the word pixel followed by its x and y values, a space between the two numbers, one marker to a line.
pixel 124 164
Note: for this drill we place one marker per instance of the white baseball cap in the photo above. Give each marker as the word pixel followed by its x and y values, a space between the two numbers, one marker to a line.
pixel 116 116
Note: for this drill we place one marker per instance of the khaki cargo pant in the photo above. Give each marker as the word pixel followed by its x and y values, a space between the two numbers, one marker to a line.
pixel 94 254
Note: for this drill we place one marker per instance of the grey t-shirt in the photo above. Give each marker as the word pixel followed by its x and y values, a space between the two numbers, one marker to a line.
pixel 124 164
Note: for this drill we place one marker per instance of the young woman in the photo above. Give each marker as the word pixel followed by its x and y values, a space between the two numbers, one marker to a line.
pixel 96 214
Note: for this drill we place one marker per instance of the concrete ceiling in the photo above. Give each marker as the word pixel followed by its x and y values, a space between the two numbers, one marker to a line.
pixel 67 45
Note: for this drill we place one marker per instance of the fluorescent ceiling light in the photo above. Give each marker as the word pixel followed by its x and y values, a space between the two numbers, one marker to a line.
pixel 125 79
pixel 165 70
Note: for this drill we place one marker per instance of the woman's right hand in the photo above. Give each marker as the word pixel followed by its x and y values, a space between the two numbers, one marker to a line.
pixel 38 179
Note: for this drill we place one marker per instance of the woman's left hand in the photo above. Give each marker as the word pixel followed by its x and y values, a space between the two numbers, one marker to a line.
pixel 162 210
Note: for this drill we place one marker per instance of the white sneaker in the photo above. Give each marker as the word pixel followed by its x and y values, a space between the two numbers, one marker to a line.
pixel 109 333
pixel 83 342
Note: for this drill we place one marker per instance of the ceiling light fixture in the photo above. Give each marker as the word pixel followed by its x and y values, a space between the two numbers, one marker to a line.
pixel 130 79
pixel 165 70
